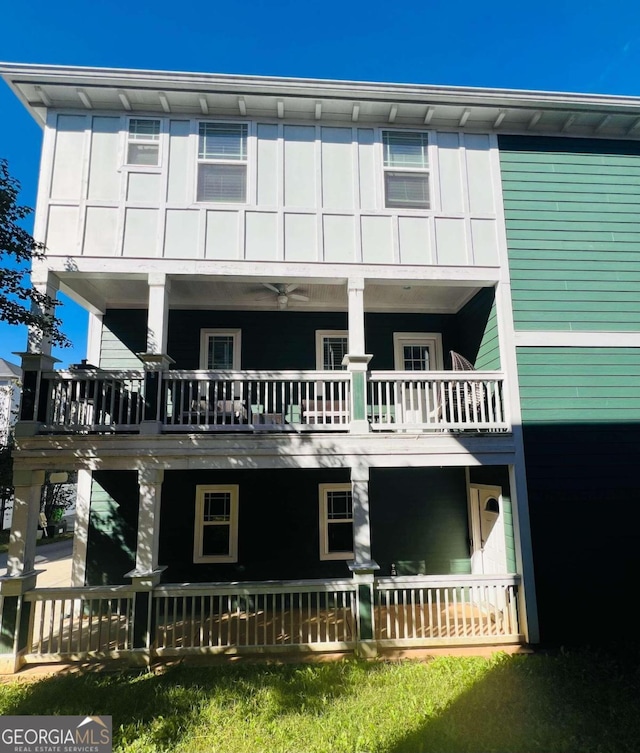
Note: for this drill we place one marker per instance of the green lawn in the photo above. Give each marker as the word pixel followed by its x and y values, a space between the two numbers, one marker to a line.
pixel 573 703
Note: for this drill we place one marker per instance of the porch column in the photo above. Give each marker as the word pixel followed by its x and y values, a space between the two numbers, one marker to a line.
pixel 21 576
pixel 147 573
pixel 357 360
pixel 155 358
pixel 81 529
pixel 363 567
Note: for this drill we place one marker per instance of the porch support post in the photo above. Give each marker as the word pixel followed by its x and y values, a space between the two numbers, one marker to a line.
pixel 147 573
pixel 81 529
pixel 33 403
pixel 363 567
pixel 356 360
pixel 155 357
pixel 21 576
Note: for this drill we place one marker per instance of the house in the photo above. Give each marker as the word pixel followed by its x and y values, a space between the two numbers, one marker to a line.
pixel 359 355
pixel 10 376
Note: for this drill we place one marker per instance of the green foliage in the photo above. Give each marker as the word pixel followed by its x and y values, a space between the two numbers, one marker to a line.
pixel 566 703
pixel 20 303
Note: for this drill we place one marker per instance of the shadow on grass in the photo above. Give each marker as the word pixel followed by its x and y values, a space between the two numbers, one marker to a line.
pixel 565 703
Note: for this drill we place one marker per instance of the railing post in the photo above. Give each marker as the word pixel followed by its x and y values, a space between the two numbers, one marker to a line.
pixel 363 575
pixel 143 632
pixel 357 366
pixel 154 405
pixel 33 403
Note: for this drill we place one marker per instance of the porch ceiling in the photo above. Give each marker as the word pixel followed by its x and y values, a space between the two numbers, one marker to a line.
pixel 103 291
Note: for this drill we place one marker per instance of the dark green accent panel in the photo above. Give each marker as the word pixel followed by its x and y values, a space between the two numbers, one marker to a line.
pixel 113 527
pixel 359 395
pixel 365 613
pixel 573 385
pixel 572 208
pixel 8 623
pixel 419 515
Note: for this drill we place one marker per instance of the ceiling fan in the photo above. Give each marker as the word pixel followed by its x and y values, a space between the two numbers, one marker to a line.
pixel 284 292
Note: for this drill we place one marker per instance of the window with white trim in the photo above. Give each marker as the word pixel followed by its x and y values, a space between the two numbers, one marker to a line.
pixel 222 162
pixel 336 522
pixel 220 349
pixel 406 169
pixel 143 142
pixel 417 351
pixel 216 524
pixel 331 347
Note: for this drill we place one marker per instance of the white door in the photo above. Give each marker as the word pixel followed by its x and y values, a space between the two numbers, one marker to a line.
pixel 488 545
pixel 416 352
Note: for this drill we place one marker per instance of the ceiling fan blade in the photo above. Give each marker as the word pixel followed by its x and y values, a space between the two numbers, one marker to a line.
pixel 269 286
pixel 290 288
pixel 298 297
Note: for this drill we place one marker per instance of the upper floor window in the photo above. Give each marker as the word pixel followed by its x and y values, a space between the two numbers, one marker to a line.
pixel 222 162
pixel 143 142
pixel 331 347
pixel 406 169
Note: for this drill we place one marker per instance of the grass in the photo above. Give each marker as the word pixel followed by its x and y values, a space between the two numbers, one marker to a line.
pixel 554 703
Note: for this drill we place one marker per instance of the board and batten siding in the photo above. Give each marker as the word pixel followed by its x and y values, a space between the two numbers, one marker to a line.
pixel 572 210
pixel 314 194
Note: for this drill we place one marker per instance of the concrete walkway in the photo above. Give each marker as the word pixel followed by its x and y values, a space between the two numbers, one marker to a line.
pixel 53 561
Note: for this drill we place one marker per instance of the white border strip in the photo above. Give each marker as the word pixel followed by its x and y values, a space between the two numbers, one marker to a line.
pixel 577 339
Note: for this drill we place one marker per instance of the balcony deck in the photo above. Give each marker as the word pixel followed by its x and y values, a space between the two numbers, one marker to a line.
pixel 103 401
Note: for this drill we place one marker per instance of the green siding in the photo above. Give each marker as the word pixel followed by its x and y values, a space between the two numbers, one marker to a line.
pixel 123 335
pixel 572 208
pixel 113 527
pixel 570 385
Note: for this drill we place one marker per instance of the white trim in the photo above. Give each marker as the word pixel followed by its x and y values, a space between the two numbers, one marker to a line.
pixel 199 525
pixel 321 334
pixel 205 334
pixel 325 554
pixel 433 340
pixel 557 339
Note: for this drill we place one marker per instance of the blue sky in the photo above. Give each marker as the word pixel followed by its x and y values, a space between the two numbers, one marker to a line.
pixel 587 46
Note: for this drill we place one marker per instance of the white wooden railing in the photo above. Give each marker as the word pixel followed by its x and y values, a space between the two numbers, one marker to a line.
pixel 428 401
pixel 77 622
pixel 246 400
pixel 72 624
pixel 313 615
pixel 101 400
pixel 452 609
pixel 96 400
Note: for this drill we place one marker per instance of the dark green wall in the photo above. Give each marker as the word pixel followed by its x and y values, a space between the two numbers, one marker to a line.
pixel 286 340
pixel 113 527
pixel 477 331
pixel 572 208
pixel 419 515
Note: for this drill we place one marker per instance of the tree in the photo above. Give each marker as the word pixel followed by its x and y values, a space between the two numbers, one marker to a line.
pixel 20 303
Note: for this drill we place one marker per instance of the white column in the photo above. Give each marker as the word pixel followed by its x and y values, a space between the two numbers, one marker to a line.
pixel 24 526
pixel 150 482
pixel 81 529
pixel 158 316
pixel 45 283
pixel 355 291
pixel 361 518
pixel 94 338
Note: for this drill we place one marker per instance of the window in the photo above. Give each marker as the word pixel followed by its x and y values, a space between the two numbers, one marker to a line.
pixel 143 143
pixel 222 162
pixel 331 347
pixel 406 169
pixel 220 349
pixel 417 351
pixel 216 525
pixel 336 522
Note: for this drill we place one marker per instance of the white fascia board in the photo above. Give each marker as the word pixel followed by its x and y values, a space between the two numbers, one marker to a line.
pixel 16 74
pixel 572 339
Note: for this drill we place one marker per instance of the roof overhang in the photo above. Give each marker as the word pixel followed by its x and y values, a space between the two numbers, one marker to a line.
pixel 42 87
